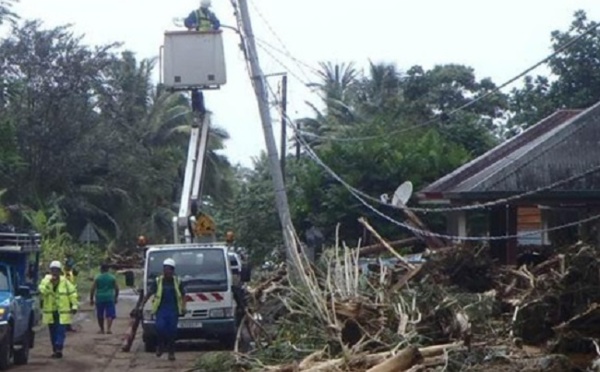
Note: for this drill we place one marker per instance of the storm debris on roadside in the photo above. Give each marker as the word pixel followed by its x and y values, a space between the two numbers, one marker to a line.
pixel 451 309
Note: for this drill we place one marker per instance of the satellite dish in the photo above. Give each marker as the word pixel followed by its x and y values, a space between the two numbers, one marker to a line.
pixel 402 194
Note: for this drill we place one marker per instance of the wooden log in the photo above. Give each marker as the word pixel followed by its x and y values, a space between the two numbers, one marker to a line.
pixel 402 361
pixel 385 244
pixel 380 248
pixel 406 278
pixel 372 360
pixel 310 360
pixel 134 323
pixel 435 350
pixel 417 368
pixel 431 241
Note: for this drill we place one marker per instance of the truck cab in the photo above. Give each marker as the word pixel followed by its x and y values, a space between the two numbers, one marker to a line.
pixel 209 282
pixel 19 306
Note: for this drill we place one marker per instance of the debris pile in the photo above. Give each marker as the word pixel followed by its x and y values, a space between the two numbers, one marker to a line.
pixel 132 258
pixel 457 311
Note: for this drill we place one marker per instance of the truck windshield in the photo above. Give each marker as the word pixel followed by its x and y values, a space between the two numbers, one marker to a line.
pixel 199 266
pixel 4 279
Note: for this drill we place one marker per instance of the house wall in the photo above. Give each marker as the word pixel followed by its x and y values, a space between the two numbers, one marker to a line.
pixel 529 218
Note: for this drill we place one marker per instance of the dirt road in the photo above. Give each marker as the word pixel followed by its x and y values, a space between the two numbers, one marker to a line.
pixel 87 351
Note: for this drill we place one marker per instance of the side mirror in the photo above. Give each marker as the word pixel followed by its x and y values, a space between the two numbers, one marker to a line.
pixel 246 274
pixel 24 291
pixel 129 279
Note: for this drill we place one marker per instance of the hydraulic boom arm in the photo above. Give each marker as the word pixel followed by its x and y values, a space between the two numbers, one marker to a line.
pixel 194 171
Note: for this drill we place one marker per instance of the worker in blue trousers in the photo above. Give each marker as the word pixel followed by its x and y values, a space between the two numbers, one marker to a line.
pixel 168 304
pixel 202 19
pixel 59 304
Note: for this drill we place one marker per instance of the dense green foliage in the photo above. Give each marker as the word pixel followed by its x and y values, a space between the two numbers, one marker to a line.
pixel 86 137
pixel 404 129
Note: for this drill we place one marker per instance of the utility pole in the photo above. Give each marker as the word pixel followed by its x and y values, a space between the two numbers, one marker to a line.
pixel 283 123
pixel 265 116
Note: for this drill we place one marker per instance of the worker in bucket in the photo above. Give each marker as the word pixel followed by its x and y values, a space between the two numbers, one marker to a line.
pixel 202 19
pixel 168 304
pixel 59 305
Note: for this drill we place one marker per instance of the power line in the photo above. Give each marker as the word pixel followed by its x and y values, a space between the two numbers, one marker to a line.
pixel 468 104
pixel 479 206
pixel 454 237
pixel 474 206
pixel 289 71
pixel 471 238
pixel 299 62
pixel 442 236
pixel 286 51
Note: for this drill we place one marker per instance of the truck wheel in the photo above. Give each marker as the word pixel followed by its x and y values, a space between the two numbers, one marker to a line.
pixel 6 347
pixel 22 354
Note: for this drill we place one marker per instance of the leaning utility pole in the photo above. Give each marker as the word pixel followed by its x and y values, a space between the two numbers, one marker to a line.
pixel 265 116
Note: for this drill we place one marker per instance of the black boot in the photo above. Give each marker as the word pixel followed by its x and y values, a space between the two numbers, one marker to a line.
pixel 171 350
pixel 159 349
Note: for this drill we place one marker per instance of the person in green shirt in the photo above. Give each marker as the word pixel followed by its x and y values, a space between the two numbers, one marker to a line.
pixel 105 294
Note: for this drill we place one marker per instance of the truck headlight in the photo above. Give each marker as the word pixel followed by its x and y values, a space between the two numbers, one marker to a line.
pixel 2 312
pixel 225 312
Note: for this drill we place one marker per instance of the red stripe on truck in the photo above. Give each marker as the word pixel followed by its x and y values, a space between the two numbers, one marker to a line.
pixel 201 297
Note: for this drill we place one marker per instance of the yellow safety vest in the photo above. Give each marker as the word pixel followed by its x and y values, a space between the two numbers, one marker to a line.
pixel 71 277
pixel 203 20
pixel 63 300
pixel 159 292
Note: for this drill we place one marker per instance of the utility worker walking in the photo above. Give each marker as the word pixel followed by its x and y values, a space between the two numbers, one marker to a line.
pixel 70 274
pixel 104 295
pixel 202 19
pixel 59 304
pixel 167 306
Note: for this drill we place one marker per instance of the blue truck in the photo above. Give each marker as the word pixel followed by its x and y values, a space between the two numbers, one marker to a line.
pixel 19 303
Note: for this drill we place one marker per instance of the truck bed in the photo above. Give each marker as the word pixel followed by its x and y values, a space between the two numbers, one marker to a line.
pixel 20 243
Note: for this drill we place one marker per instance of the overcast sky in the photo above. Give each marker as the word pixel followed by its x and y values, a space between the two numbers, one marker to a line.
pixel 499 39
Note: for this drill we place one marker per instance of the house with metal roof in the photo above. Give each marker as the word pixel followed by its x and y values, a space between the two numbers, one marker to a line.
pixel 561 146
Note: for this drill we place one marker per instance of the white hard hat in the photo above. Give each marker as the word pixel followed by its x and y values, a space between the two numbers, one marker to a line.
pixel 169 262
pixel 55 265
pixel 204 3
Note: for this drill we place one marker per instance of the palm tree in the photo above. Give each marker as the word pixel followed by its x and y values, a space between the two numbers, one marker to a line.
pixel 337 90
pixel 381 90
pixel 6 13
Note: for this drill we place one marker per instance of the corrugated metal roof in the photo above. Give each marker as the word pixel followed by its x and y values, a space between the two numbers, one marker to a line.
pixel 565 143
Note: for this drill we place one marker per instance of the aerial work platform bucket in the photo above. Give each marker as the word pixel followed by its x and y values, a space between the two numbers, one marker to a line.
pixel 193 60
